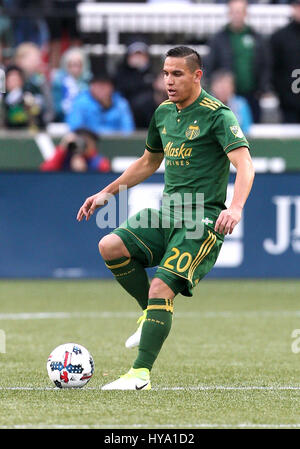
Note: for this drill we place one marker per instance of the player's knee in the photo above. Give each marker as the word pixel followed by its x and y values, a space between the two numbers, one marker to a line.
pixel 159 289
pixel 107 247
pixel 111 247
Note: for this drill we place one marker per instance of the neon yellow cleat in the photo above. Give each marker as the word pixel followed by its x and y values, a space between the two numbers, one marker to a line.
pixel 135 379
pixel 134 339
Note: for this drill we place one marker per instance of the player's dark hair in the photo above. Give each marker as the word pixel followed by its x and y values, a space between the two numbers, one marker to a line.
pixel 192 57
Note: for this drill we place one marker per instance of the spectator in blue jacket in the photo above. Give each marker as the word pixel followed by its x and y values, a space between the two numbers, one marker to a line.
pixel 101 109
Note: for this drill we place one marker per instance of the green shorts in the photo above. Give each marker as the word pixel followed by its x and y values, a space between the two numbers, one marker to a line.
pixel 182 262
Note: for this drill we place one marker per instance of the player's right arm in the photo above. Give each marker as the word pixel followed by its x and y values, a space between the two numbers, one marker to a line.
pixel 136 173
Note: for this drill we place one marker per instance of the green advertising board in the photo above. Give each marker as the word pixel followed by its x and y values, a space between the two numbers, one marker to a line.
pixel 22 151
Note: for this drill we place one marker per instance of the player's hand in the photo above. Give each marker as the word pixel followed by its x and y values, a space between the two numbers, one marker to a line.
pixel 227 220
pixel 91 204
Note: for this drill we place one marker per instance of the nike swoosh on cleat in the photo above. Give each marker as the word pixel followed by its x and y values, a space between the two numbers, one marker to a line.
pixel 140 388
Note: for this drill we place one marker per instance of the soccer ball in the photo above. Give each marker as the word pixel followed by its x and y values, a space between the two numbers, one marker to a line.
pixel 70 366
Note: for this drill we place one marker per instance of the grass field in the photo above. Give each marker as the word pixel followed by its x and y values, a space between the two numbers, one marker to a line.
pixel 227 363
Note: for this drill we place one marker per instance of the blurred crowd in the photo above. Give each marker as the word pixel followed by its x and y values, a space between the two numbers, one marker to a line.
pixel 49 78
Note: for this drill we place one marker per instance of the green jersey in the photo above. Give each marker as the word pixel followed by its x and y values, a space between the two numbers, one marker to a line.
pixel 195 141
pixel 242 43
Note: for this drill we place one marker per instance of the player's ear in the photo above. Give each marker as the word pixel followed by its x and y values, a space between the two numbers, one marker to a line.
pixel 198 75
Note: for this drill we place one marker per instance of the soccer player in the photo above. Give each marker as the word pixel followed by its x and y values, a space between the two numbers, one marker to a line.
pixel 198 137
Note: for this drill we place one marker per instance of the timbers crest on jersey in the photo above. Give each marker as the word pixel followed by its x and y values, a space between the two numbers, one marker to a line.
pixel 192 132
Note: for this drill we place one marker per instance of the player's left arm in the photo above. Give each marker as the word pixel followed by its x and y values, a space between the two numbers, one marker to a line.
pixel 229 218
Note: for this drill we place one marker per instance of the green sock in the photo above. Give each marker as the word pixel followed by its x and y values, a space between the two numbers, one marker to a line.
pixel 131 274
pixel 155 330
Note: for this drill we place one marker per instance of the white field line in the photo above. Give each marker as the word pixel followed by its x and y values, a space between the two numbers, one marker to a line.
pixel 113 315
pixel 191 388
